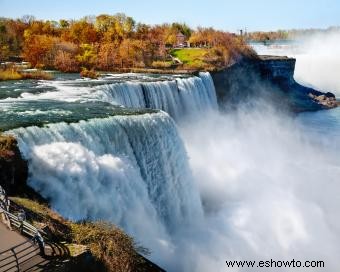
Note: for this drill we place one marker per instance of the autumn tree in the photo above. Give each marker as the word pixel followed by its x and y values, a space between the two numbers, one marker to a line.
pixel 108 42
pixel 80 32
pixel 182 28
pixel 131 53
pixel 87 55
pixel 108 56
pixel 39 50
pixel 11 37
pixel 115 28
pixel 65 59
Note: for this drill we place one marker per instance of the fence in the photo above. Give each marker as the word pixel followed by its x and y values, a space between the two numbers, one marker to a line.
pixel 11 258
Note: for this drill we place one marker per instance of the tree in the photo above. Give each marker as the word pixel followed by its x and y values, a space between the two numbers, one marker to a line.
pixel 27 19
pixel 183 28
pixel 64 23
pixel 40 50
pixel 131 53
pixel 107 56
pixel 81 32
pixel 65 59
pixel 87 55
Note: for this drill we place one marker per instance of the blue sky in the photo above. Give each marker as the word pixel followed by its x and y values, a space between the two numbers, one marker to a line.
pixel 222 14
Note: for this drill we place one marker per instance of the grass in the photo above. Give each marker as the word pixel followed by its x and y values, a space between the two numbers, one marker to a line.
pixel 10 74
pixel 39 74
pixel 161 64
pixel 14 74
pixel 191 56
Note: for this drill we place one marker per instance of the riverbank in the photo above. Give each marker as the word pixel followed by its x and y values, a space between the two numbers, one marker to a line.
pixel 16 74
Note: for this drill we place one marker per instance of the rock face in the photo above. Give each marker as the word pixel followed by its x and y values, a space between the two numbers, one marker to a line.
pixel 13 168
pixel 268 77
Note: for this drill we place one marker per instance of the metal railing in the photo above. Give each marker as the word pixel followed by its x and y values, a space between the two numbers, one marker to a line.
pixel 16 255
pixel 11 258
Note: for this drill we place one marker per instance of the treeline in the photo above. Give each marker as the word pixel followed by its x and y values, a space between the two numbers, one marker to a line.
pixel 261 36
pixel 288 34
pixel 108 42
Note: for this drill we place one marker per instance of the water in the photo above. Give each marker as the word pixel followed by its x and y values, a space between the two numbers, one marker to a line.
pixel 179 97
pixel 253 184
pixel 126 164
pixel 67 97
pixel 106 169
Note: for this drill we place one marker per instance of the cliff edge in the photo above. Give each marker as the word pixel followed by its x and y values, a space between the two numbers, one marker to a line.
pixel 268 77
pixel 13 168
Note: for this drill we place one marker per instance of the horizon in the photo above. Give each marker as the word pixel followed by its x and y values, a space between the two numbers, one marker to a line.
pixel 260 16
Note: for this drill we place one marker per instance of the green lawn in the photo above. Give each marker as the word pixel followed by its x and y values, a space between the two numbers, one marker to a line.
pixel 190 56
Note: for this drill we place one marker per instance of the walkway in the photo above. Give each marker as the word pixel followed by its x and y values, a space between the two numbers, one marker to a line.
pixel 18 252
pixel 23 257
pixel 28 254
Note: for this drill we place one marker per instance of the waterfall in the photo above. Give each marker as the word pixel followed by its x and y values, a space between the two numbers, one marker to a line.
pixel 180 97
pixel 128 94
pixel 197 94
pixel 131 170
pixel 163 95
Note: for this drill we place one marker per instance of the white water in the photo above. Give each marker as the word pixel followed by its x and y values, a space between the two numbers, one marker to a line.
pixel 129 94
pixel 269 189
pixel 318 59
pixel 132 171
pixel 180 97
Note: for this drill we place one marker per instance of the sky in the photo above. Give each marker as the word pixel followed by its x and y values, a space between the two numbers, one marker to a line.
pixel 230 15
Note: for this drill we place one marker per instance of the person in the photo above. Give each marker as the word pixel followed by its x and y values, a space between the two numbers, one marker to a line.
pixel 38 239
pixel 21 218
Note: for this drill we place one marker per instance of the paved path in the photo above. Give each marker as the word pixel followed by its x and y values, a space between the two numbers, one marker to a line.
pixel 9 238
pixel 27 254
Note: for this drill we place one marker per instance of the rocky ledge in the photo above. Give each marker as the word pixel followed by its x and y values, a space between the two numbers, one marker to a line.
pixel 326 100
pixel 269 77
pixel 13 168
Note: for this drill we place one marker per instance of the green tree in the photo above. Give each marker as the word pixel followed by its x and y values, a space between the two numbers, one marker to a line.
pixel 87 55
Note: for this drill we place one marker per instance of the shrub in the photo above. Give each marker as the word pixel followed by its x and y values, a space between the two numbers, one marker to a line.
pixel 161 64
pixel 89 73
pixel 36 75
pixel 7 145
pixel 10 74
pixel 109 245
pixel 14 74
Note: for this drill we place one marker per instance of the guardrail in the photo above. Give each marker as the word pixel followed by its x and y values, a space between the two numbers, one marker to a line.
pixel 11 258
pixel 25 228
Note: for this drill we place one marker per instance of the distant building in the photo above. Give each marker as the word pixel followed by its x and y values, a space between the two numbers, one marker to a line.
pixel 181 40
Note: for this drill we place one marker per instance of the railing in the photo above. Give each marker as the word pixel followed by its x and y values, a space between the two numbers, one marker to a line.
pixel 23 226
pixel 11 258
pixel 4 205
pixel 16 254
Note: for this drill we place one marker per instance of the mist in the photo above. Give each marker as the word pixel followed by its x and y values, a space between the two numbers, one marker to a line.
pixel 317 59
pixel 251 184
pixel 269 191
pixel 269 180
pixel 319 63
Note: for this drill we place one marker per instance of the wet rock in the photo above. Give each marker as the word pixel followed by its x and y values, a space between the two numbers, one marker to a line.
pixel 13 168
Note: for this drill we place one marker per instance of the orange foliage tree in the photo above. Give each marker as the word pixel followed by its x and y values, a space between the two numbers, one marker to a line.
pixel 108 42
